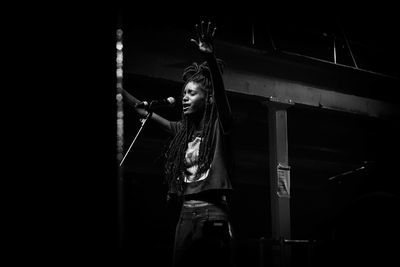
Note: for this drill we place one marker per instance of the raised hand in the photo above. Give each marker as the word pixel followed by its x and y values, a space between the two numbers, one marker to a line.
pixel 205 37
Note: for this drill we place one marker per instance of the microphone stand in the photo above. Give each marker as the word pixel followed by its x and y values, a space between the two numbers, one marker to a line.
pixel 143 121
pixel 349 172
pixel 346 173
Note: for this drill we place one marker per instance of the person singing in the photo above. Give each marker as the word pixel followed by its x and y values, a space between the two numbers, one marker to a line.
pixel 197 160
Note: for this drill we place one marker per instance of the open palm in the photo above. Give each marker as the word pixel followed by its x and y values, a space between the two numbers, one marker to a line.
pixel 205 37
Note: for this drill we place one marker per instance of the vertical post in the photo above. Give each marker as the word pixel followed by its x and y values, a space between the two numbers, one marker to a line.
pixel 261 244
pixel 310 251
pixel 279 174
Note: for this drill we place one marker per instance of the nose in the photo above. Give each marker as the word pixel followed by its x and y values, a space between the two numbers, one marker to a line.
pixel 185 98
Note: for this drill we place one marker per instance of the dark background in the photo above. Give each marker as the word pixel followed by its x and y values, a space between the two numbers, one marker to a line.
pixel 62 126
pixel 351 217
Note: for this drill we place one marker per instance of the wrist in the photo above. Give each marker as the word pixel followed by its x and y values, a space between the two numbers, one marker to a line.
pixel 142 113
pixel 146 114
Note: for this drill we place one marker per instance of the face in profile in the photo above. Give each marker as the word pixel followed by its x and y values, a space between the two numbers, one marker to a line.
pixel 194 99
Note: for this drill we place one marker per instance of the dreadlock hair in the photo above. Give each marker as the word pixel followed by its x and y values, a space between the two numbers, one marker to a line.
pixel 175 152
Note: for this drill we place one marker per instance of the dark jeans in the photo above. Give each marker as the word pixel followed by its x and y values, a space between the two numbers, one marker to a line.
pixel 203 237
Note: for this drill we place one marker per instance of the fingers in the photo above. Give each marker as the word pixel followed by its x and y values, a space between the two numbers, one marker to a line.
pixel 203 32
pixel 208 30
pixel 212 35
pixel 202 29
pixel 199 34
pixel 194 41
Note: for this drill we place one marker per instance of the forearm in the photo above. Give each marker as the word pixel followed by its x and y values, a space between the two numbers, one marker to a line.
pixel 133 101
pixel 220 97
pixel 130 98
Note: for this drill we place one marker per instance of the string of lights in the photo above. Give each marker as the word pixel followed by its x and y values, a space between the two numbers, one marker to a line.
pixel 120 129
pixel 119 97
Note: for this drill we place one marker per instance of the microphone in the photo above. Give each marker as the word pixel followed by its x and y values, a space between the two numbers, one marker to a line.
pixel 154 104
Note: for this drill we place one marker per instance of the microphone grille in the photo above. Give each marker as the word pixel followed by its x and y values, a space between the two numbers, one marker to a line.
pixel 171 100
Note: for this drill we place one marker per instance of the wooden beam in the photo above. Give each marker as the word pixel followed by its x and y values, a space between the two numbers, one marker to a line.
pixel 170 66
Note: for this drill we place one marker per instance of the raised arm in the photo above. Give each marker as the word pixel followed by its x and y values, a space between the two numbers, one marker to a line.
pixel 133 101
pixel 204 42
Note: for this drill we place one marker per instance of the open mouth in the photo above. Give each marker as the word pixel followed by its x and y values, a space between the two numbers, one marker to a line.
pixel 185 107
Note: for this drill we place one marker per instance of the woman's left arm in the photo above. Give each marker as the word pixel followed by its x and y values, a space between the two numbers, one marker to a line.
pixel 219 95
pixel 205 45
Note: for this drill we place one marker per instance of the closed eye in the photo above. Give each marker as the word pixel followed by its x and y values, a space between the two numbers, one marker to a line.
pixel 192 93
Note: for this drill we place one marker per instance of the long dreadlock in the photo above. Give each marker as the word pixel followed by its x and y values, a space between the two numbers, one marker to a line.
pixel 175 153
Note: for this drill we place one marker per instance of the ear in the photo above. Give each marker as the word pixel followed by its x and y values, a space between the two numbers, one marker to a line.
pixel 210 99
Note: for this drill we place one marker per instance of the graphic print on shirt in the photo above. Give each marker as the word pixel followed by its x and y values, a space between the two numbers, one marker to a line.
pixel 191 162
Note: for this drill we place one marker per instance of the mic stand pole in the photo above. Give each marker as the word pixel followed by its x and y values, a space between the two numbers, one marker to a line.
pixel 346 173
pixel 143 121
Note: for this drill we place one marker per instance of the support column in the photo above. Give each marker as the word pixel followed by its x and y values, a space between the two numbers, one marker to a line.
pixel 279 175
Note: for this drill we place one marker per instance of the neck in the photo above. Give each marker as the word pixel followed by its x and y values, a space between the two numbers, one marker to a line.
pixel 197 123
pixel 198 126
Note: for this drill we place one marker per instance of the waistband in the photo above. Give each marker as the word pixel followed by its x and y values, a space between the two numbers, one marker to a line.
pixel 196 203
pixel 211 198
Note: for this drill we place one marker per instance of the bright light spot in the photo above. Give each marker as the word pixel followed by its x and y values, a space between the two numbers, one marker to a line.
pixel 119 131
pixel 120 114
pixel 119 58
pixel 119 97
pixel 119 72
pixel 119 45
